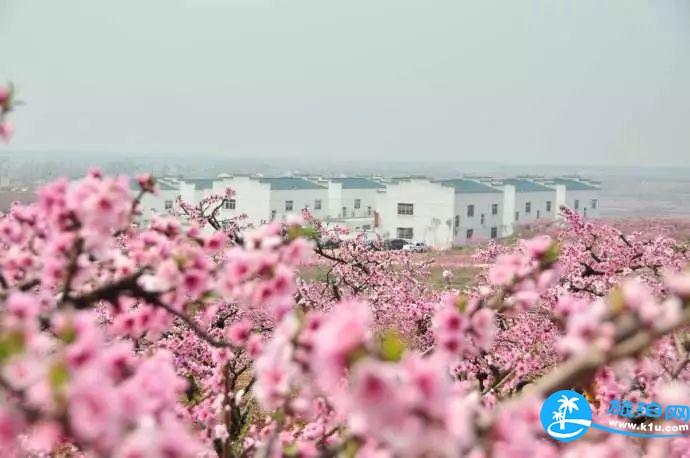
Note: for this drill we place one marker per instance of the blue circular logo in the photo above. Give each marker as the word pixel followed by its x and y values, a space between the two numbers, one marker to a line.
pixel 566 415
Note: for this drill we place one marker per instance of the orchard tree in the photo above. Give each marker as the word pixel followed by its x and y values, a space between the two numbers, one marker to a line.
pixel 189 336
pixel 7 104
pixel 171 340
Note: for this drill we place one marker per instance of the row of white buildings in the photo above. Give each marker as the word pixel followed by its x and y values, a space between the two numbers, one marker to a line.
pixel 441 213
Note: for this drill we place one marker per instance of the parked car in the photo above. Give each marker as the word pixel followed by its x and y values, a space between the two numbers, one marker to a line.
pixel 375 245
pixel 417 247
pixel 396 244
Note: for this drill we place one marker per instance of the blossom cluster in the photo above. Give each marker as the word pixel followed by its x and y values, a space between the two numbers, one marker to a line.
pixel 395 284
pixel 335 375
pixel 205 213
pixel 99 314
pixel 181 338
pixel 7 102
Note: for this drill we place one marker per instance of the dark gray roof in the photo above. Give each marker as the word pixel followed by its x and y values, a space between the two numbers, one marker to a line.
pixel 358 183
pixel 407 179
pixel 284 183
pixel 167 186
pixel 526 185
pixel 575 185
pixel 469 186
pixel 201 183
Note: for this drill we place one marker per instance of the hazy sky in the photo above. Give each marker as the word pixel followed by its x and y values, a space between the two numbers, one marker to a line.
pixel 577 82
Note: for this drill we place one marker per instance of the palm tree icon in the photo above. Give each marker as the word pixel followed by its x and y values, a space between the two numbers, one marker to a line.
pixel 565 405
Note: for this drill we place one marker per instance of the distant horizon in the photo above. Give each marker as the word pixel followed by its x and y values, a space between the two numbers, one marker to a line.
pixel 644 193
pixel 207 155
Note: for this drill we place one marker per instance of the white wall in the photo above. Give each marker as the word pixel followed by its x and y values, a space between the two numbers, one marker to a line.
pixel 189 194
pixel 435 206
pixel 433 211
pixel 538 206
pixel 251 198
pixel 367 199
pixel 584 199
pixel 482 205
pixel 155 204
pixel 508 216
pixel 561 196
pixel 335 199
pixel 338 197
pixel 354 219
pixel 301 198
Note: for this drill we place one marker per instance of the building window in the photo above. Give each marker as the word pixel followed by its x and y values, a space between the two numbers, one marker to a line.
pixel 273 215
pixel 528 207
pixel 494 232
pixel 594 204
pixel 229 204
pixel 366 227
pixel 548 206
pixel 538 214
pixel 469 233
pixel 517 216
pixel 344 210
pixel 577 204
pixel 358 203
pixel 317 204
pixel 288 205
pixel 405 233
pixel 456 224
pixel 494 209
pixel 481 218
pixel 470 211
pixel 405 209
pixel 168 204
pixel 369 211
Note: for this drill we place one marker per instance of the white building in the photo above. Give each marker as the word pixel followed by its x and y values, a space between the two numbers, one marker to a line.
pixel 346 202
pixel 478 210
pixel 441 213
pixel 352 202
pixel 290 195
pixel 534 201
pixel 261 199
pixel 160 204
pixel 251 198
pixel 581 195
pixel 194 190
pixel 417 209
pixel 444 213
